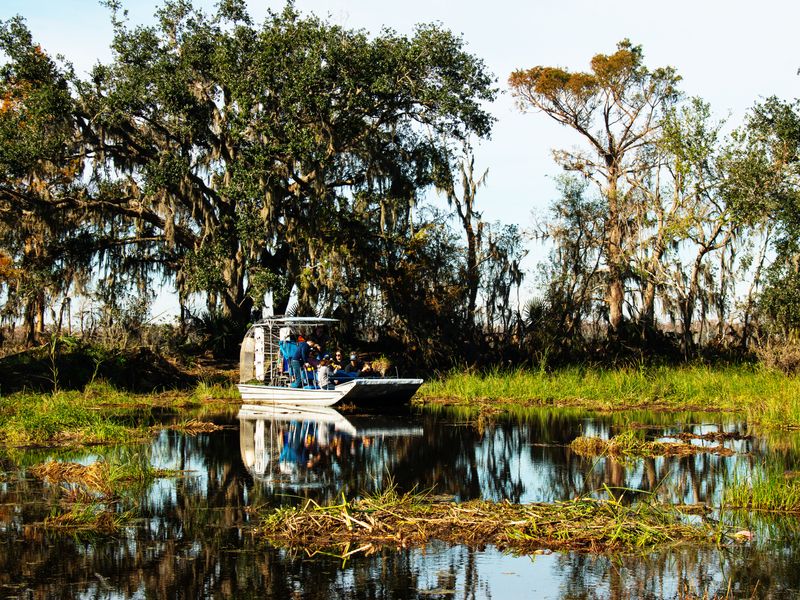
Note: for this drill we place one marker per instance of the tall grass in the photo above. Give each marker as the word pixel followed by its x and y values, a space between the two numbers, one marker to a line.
pixel 766 396
pixel 768 491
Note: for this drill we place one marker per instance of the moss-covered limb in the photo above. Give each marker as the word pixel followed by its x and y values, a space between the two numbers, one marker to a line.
pixel 629 444
pixel 408 520
pixel 767 397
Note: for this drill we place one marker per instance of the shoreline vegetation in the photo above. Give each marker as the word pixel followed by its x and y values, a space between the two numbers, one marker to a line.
pixel 767 397
pixel 103 414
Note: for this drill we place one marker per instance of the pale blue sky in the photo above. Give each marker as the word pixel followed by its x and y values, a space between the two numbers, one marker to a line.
pixel 731 53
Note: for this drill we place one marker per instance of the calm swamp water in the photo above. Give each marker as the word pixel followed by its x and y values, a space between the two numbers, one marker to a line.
pixel 192 535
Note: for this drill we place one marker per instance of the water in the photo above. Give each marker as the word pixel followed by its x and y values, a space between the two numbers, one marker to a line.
pixel 192 535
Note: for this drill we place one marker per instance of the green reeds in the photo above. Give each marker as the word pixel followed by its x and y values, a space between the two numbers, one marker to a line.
pixel 767 491
pixel 412 520
pixel 767 396
pixel 62 418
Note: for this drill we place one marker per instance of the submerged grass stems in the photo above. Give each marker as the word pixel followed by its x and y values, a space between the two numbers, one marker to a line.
pixel 766 396
pixel 412 520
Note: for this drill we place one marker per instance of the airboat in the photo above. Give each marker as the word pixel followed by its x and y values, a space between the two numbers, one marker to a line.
pixel 265 379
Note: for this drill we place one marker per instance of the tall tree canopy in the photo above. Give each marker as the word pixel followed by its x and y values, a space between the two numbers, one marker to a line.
pixel 240 158
pixel 764 187
pixel 617 108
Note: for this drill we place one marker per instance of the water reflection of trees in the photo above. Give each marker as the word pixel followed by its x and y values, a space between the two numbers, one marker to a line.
pixel 193 539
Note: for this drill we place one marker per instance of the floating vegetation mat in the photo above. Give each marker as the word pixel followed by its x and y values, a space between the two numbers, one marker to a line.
pixel 412 520
pixel 192 427
pixel 627 444
pixel 99 477
pixel 91 518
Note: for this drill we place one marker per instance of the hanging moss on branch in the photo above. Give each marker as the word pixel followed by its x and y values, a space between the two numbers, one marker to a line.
pixel 411 520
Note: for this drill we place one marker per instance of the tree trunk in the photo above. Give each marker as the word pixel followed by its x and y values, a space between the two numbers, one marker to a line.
pixel 615 293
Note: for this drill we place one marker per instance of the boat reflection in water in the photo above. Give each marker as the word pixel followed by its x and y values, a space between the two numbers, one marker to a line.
pixel 317 447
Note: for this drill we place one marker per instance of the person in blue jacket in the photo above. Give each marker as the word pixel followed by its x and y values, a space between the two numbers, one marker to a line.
pixel 299 361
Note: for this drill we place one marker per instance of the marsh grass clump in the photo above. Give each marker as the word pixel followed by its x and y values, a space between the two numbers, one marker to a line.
pixel 412 520
pixel 212 390
pixel 108 480
pixel 628 444
pixel 88 518
pixel 768 491
pixel 192 427
pixel 90 495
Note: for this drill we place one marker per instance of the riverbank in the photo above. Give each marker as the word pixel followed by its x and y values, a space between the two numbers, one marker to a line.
pixel 765 396
pixel 102 414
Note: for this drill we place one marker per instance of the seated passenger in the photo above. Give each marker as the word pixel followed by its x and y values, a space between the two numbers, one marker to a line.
pixel 354 366
pixel 325 373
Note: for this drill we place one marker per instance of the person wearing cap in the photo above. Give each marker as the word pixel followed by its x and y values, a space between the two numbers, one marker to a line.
pixel 354 366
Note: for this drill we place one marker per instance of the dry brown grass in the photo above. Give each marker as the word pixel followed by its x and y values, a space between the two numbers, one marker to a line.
pixel 401 521
pixel 628 445
pixel 192 427
pixel 95 477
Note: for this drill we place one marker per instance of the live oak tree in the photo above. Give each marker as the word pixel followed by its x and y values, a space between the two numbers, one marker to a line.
pixel 45 245
pixel 257 156
pixel 238 158
pixel 617 108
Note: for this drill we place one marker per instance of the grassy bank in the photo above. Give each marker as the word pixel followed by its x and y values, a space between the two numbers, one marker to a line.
pixel 100 414
pixel 766 396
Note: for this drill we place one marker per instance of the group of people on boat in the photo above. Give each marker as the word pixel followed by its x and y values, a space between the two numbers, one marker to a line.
pixel 308 366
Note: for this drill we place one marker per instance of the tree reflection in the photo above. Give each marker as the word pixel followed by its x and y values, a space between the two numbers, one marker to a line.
pixel 193 537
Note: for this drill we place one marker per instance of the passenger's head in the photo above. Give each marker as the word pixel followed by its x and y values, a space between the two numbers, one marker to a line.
pixel 353 356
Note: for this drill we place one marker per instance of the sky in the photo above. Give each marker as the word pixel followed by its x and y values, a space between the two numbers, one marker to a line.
pixel 732 53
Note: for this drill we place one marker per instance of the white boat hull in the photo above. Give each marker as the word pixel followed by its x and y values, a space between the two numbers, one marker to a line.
pixel 362 390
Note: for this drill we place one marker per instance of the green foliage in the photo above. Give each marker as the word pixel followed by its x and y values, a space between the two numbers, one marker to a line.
pixel 237 158
pixel 767 489
pixel 763 188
